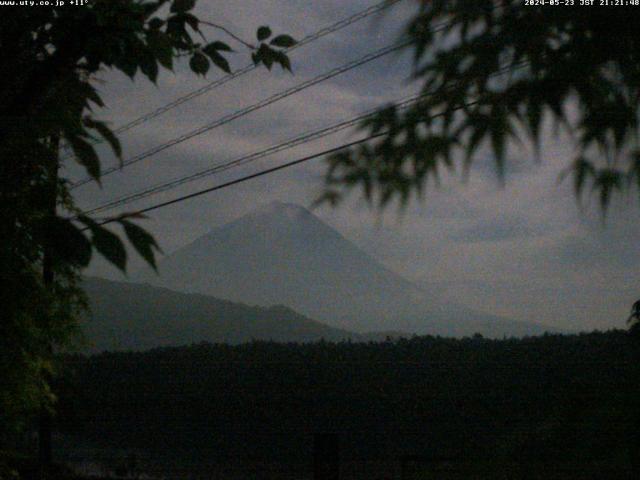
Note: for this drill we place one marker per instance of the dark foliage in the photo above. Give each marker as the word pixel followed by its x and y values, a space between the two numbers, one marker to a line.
pixel 48 95
pixel 561 401
pixel 492 72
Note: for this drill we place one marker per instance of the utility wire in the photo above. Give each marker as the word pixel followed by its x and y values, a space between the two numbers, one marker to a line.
pixel 287 145
pixel 228 118
pixel 252 108
pixel 239 180
pixel 250 67
pixel 266 102
pixel 246 178
pixel 291 163
pixel 263 172
pixel 339 25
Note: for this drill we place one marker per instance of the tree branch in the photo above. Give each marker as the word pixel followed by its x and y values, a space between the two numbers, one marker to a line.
pixel 228 32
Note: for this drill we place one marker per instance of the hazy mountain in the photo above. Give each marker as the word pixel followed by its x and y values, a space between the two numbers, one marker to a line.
pixel 126 316
pixel 282 254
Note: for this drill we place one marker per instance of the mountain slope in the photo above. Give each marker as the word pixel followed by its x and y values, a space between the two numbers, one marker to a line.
pixel 283 254
pixel 126 316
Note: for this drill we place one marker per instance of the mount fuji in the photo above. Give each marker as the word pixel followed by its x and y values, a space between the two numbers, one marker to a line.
pixel 282 254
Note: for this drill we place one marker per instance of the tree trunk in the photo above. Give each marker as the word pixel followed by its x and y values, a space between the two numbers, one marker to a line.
pixel 45 421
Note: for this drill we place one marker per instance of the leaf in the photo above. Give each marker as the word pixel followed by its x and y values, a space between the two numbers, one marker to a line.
pixel 634 170
pixel 142 241
pixel 86 156
pixel 212 50
pixel 478 133
pixel 534 117
pixel 199 64
pixel 284 41
pixel 264 55
pixel 498 144
pixel 161 47
pixel 263 33
pixel 181 6
pixel 330 197
pixel 106 133
pixel 128 65
pixel 107 243
pixel 220 62
pixel 286 63
pixel 67 242
pixel 156 23
pixel 175 27
pixel 581 169
pixel 149 65
pixel 608 181
pixel 192 20
pixel 217 46
pixel 499 129
pixel 91 93
pixel 267 60
pixel 283 60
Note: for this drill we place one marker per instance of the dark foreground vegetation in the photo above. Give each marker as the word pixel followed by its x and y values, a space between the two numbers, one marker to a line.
pixel 545 407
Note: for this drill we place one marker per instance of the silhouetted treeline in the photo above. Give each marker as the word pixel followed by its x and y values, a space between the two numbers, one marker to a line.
pixel 550 400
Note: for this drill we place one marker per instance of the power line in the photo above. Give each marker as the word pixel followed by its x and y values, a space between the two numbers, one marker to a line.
pixel 256 106
pixel 250 67
pixel 298 161
pixel 244 179
pixel 267 171
pixel 250 177
pixel 335 27
pixel 265 102
pixel 291 143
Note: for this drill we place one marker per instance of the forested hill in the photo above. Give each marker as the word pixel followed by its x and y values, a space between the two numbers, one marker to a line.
pixel 127 316
pixel 554 402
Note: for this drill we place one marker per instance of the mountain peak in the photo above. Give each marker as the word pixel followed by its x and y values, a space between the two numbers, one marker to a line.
pixel 282 254
pixel 290 210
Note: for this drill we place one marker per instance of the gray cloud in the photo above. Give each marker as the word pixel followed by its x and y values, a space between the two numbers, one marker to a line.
pixel 496 230
pixel 524 250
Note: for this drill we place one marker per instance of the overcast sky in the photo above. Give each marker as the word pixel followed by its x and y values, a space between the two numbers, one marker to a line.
pixel 526 251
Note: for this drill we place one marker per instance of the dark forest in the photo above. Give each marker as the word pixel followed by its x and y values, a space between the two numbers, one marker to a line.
pixel 541 407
